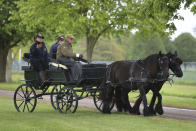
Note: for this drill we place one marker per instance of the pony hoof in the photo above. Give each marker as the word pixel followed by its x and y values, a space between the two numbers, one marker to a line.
pixel 159 110
pixel 135 111
pixel 147 112
pixel 152 111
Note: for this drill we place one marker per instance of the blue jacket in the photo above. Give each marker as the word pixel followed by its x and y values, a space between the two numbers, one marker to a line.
pixel 53 50
pixel 39 57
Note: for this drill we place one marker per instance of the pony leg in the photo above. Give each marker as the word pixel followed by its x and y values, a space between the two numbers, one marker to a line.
pixel 130 109
pixel 108 93
pixel 159 107
pixel 125 99
pixel 136 106
pixel 144 99
pixel 118 99
pixel 151 107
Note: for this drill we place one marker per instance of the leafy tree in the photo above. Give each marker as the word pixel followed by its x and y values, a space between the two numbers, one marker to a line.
pixel 186 45
pixel 95 18
pixel 10 34
pixel 169 45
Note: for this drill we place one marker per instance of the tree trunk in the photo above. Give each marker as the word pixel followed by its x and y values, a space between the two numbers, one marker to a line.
pixel 3 60
pixel 9 67
pixel 91 41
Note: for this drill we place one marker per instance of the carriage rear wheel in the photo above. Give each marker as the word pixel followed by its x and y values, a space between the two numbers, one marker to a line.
pixel 99 103
pixel 25 98
pixel 67 100
pixel 53 95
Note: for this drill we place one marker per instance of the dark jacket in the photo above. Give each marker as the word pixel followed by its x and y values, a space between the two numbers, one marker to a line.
pixel 39 57
pixel 53 50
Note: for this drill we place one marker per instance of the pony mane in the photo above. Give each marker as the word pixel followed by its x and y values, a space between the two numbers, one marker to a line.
pixel 151 58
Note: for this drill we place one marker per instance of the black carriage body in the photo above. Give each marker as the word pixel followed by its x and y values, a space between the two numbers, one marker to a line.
pixel 55 77
pixel 92 75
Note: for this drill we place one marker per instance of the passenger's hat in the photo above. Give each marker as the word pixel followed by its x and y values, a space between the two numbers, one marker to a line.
pixel 70 36
pixel 38 36
pixel 60 38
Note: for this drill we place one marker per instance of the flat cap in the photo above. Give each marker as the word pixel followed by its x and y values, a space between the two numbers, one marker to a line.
pixel 70 36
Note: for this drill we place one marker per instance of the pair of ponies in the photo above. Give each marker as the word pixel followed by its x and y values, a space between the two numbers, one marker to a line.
pixel 144 75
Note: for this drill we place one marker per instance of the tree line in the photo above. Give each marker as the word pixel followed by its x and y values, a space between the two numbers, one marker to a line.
pixel 135 47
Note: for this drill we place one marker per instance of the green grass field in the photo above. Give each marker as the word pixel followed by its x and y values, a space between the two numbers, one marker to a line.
pixel 44 118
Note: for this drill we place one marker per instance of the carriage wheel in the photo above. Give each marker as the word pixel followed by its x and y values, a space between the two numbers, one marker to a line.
pixel 25 98
pixel 53 95
pixel 67 100
pixel 99 103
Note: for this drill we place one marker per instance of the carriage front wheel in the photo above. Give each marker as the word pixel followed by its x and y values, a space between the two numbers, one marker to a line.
pixel 67 100
pixel 25 98
pixel 98 101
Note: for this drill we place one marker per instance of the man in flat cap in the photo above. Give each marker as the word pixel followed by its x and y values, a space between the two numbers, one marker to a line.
pixel 66 56
pixel 53 49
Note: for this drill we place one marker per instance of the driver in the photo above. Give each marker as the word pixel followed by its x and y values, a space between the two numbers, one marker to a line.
pixel 66 57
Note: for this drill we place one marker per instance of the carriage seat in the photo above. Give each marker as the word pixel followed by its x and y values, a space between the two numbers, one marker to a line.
pixel 58 65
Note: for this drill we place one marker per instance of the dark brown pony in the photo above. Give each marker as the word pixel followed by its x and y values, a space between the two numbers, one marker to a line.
pixel 126 76
pixel 174 64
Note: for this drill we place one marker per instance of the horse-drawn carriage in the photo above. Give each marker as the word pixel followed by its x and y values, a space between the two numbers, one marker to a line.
pixel 117 80
pixel 65 93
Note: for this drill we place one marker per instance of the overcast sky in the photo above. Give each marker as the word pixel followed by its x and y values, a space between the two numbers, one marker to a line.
pixel 187 25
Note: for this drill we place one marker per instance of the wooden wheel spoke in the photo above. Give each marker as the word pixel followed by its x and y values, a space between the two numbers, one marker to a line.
pixel 27 90
pixel 63 104
pixel 30 103
pixel 67 108
pixel 23 92
pixel 20 100
pixel 20 95
pixel 100 104
pixel 28 107
pixel 97 100
pixel 20 104
pixel 29 94
pixel 24 107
